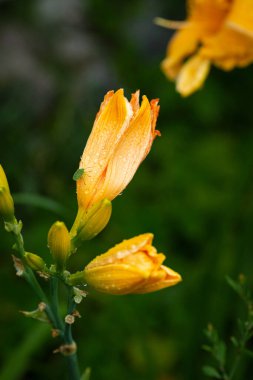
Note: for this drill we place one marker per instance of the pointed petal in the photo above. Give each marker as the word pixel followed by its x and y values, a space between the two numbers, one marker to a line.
pixel 181 45
pixel 129 153
pixel 110 124
pixel 121 250
pixel 135 102
pixel 192 75
pixel 162 278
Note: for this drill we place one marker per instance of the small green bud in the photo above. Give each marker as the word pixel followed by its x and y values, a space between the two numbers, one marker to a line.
pixel 3 179
pixel 6 205
pixel 35 262
pixel 59 244
pixel 90 223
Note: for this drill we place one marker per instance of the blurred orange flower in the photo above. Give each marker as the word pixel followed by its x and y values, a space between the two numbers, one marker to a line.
pixel 133 266
pixel 121 138
pixel 218 32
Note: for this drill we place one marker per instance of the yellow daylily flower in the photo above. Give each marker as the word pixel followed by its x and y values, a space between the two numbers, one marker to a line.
pixel 133 266
pixel 121 138
pixel 218 32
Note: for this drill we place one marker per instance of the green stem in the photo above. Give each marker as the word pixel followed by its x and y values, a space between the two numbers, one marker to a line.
pixel 65 330
pixel 246 335
pixel 55 304
pixel 238 357
pixel 28 273
pixel 73 366
pixel 52 308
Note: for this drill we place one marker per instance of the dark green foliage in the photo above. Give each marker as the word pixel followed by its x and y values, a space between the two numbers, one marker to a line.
pixel 228 369
pixel 194 190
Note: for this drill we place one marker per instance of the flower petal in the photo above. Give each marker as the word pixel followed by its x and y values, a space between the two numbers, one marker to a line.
pixel 162 278
pixel 242 15
pixel 121 250
pixel 192 75
pixel 129 153
pixel 110 124
pixel 115 278
pixel 181 45
pixel 208 15
pixel 232 44
pixel 228 49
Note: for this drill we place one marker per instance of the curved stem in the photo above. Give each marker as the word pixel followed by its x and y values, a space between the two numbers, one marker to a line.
pixel 52 307
pixel 28 273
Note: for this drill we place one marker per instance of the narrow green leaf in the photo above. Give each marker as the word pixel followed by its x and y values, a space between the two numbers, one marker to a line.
pixel 234 341
pixel 211 372
pixel 221 352
pixel 86 374
pixel 36 200
pixel 78 174
pixel 234 285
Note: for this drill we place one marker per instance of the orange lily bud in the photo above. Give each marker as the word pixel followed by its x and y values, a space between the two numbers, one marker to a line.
pixel 59 244
pixel 89 223
pixel 34 261
pixel 121 138
pixel 133 266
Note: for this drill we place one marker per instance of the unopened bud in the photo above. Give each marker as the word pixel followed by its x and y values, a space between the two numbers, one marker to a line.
pixel 59 244
pixel 3 179
pixel 34 261
pixel 6 205
pixel 90 223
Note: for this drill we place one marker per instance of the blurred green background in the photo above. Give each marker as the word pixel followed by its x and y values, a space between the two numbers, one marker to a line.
pixel 194 191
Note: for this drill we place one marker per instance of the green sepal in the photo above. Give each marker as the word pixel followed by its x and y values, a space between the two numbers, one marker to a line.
pixel 76 278
pixel 89 223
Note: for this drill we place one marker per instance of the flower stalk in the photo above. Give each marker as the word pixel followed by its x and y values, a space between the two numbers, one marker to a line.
pixel 52 306
pixel 72 357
